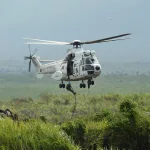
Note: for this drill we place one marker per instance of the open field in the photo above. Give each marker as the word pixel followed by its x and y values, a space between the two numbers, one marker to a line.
pixel 12 85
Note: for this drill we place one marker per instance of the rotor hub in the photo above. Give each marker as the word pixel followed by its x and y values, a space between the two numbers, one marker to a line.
pixel 76 44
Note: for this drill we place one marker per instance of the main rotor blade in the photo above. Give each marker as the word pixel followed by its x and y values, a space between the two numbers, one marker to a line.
pixel 105 39
pixel 38 40
pixel 48 43
pixel 116 40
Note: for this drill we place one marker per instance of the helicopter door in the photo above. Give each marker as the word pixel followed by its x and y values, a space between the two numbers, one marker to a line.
pixel 69 67
pixel 76 68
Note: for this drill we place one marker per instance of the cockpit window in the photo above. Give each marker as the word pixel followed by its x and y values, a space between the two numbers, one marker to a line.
pixel 91 61
pixel 94 60
pixel 88 61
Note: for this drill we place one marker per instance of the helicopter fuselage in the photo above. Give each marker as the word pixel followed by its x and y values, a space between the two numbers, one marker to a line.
pixel 79 64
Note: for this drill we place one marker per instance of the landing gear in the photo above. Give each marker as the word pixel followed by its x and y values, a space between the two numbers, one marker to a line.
pixel 90 82
pixel 82 85
pixel 62 85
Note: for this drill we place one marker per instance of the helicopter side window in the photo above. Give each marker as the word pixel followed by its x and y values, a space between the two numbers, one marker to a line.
pixel 92 60
pixel 83 68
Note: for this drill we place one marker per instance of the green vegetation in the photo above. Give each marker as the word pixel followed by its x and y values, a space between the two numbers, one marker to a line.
pixel 33 135
pixel 111 120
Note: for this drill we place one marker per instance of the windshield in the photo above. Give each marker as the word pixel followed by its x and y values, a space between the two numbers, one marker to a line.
pixel 94 60
pixel 88 61
pixel 91 61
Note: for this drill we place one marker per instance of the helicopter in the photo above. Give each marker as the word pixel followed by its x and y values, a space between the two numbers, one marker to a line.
pixel 78 64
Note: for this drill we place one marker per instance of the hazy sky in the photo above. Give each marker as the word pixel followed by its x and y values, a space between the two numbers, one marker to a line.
pixel 67 20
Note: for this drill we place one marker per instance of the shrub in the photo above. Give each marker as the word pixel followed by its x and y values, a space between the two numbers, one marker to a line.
pixel 33 135
pixel 46 97
pixel 95 132
pixel 103 114
pixel 129 129
pixel 76 130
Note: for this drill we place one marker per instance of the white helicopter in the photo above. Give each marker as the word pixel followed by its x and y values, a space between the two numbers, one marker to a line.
pixel 78 65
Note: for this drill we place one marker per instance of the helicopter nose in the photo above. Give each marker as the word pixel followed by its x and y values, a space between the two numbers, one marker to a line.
pixel 97 68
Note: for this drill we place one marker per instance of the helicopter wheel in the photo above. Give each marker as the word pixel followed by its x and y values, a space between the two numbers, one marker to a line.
pixel 61 85
pixel 82 85
pixel 92 82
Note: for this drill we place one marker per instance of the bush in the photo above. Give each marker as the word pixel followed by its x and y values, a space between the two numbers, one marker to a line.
pixel 129 129
pixel 95 132
pixel 32 135
pixel 87 135
pixel 103 114
pixel 76 130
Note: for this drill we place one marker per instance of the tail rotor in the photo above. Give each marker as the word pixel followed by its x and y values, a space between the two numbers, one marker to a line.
pixel 30 57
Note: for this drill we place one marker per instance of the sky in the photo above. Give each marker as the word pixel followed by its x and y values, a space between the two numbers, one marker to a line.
pixel 68 20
